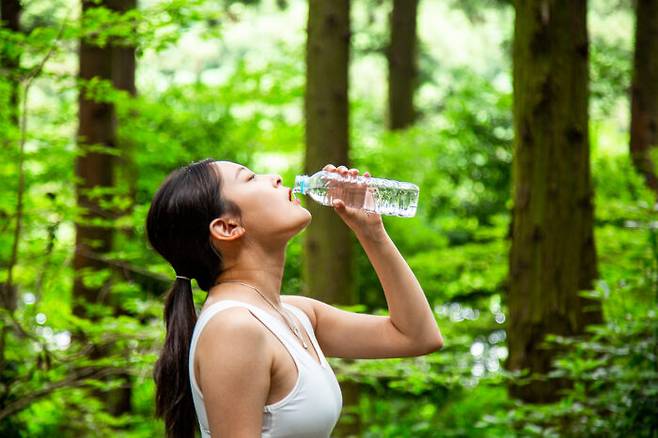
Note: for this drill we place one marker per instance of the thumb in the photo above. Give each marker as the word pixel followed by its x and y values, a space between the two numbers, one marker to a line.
pixel 338 204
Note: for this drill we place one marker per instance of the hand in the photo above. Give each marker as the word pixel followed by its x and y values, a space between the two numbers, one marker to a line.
pixel 363 223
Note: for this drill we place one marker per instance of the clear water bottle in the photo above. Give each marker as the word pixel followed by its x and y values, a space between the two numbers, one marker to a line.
pixel 378 195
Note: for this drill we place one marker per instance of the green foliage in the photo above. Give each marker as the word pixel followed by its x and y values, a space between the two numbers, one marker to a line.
pixel 613 369
pixel 459 153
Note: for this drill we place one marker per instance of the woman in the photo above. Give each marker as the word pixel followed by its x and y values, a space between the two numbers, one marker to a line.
pixel 260 369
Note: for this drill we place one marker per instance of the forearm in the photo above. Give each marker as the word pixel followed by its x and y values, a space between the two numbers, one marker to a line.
pixel 408 307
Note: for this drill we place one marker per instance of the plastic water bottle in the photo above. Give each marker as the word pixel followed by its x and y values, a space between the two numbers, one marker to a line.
pixel 378 195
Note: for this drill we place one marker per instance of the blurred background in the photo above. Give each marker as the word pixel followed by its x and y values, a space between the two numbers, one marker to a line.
pixel 530 127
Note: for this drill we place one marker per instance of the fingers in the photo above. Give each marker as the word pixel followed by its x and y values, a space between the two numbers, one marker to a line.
pixel 344 171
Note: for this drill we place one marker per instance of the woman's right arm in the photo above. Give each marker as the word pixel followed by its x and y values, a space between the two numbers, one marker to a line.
pixel 234 374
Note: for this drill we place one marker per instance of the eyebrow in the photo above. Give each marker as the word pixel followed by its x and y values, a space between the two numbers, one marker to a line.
pixel 238 171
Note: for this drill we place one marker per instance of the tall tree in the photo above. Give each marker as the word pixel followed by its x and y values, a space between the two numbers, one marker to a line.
pixel 644 92
pixel 10 12
pixel 552 255
pixel 123 78
pixel 94 171
pixel 125 168
pixel 328 241
pixel 401 56
pixel 328 267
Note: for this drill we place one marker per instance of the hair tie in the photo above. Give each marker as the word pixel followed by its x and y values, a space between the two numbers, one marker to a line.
pixel 183 277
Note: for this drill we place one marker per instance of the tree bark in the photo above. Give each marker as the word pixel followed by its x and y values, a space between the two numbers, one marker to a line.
pixel 644 92
pixel 552 255
pixel 94 170
pixel 125 176
pixel 328 240
pixel 10 13
pixel 123 78
pixel 402 68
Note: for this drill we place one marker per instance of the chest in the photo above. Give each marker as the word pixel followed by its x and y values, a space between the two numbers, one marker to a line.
pixel 284 372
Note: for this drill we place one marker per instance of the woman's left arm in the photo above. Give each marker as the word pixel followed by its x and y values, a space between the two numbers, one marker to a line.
pixel 409 310
pixel 408 307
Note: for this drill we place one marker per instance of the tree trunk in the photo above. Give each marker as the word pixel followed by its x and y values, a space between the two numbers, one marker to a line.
pixel 644 94
pixel 552 256
pixel 94 170
pixel 10 12
pixel 401 56
pixel 328 242
pixel 123 78
pixel 125 178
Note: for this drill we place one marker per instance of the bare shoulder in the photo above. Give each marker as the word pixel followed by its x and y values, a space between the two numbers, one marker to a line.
pixel 304 303
pixel 233 318
pixel 236 323
pixel 234 373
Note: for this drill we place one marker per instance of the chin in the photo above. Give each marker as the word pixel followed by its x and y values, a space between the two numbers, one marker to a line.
pixel 309 218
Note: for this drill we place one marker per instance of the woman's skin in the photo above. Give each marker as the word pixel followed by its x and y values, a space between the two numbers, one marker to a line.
pixel 240 364
pixel 254 248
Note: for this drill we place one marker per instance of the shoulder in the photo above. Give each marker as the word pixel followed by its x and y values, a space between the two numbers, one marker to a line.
pixel 235 324
pixel 236 338
pixel 306 304
pixel 233 321
pixel 234 367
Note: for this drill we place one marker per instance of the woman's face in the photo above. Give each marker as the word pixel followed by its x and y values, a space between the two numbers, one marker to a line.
pixel 267 212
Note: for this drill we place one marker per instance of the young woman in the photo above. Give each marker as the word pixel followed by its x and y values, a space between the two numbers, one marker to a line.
pixel 260 368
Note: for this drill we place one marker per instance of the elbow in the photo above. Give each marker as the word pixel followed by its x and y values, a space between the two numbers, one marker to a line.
pixel 435 345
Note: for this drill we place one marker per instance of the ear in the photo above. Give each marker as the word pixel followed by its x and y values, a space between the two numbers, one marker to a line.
pixel 225 229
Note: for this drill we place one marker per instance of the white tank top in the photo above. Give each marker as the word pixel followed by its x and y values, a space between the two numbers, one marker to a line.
pixel 311 409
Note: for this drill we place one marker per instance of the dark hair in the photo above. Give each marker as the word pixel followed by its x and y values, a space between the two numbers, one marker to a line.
pixel 177 228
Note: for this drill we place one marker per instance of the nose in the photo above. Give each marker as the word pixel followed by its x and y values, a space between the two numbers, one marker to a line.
pixel 278 179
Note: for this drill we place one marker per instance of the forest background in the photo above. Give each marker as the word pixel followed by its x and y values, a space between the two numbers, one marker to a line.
pixel 100 100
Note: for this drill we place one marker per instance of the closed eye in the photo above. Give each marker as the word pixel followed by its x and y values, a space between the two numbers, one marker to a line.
pixel 252 177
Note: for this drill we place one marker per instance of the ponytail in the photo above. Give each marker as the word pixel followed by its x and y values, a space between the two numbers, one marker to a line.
pixel 173 396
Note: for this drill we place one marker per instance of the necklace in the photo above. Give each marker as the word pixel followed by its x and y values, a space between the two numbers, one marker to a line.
pixel 293 327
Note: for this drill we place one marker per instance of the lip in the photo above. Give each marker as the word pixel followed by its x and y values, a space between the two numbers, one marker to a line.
pixel 290 195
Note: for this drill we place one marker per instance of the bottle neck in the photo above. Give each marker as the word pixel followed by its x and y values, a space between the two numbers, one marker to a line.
pixel 301 184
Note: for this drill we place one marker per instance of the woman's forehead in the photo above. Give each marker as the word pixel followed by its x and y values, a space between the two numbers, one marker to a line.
pixel 230 172
pixel 229 166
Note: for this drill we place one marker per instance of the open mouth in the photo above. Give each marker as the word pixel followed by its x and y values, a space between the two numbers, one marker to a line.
pixel 292 199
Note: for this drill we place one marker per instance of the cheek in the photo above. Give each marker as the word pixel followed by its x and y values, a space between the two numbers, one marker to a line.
pixel 268 209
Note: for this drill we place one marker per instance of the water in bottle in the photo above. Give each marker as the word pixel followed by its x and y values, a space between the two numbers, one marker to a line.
pixel 378 195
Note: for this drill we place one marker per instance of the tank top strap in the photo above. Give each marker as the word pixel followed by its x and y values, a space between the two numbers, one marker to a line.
pixel 301 315
pixel 274 325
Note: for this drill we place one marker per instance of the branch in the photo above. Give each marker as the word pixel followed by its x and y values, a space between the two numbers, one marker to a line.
pixel 93 255
pixel 77 378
